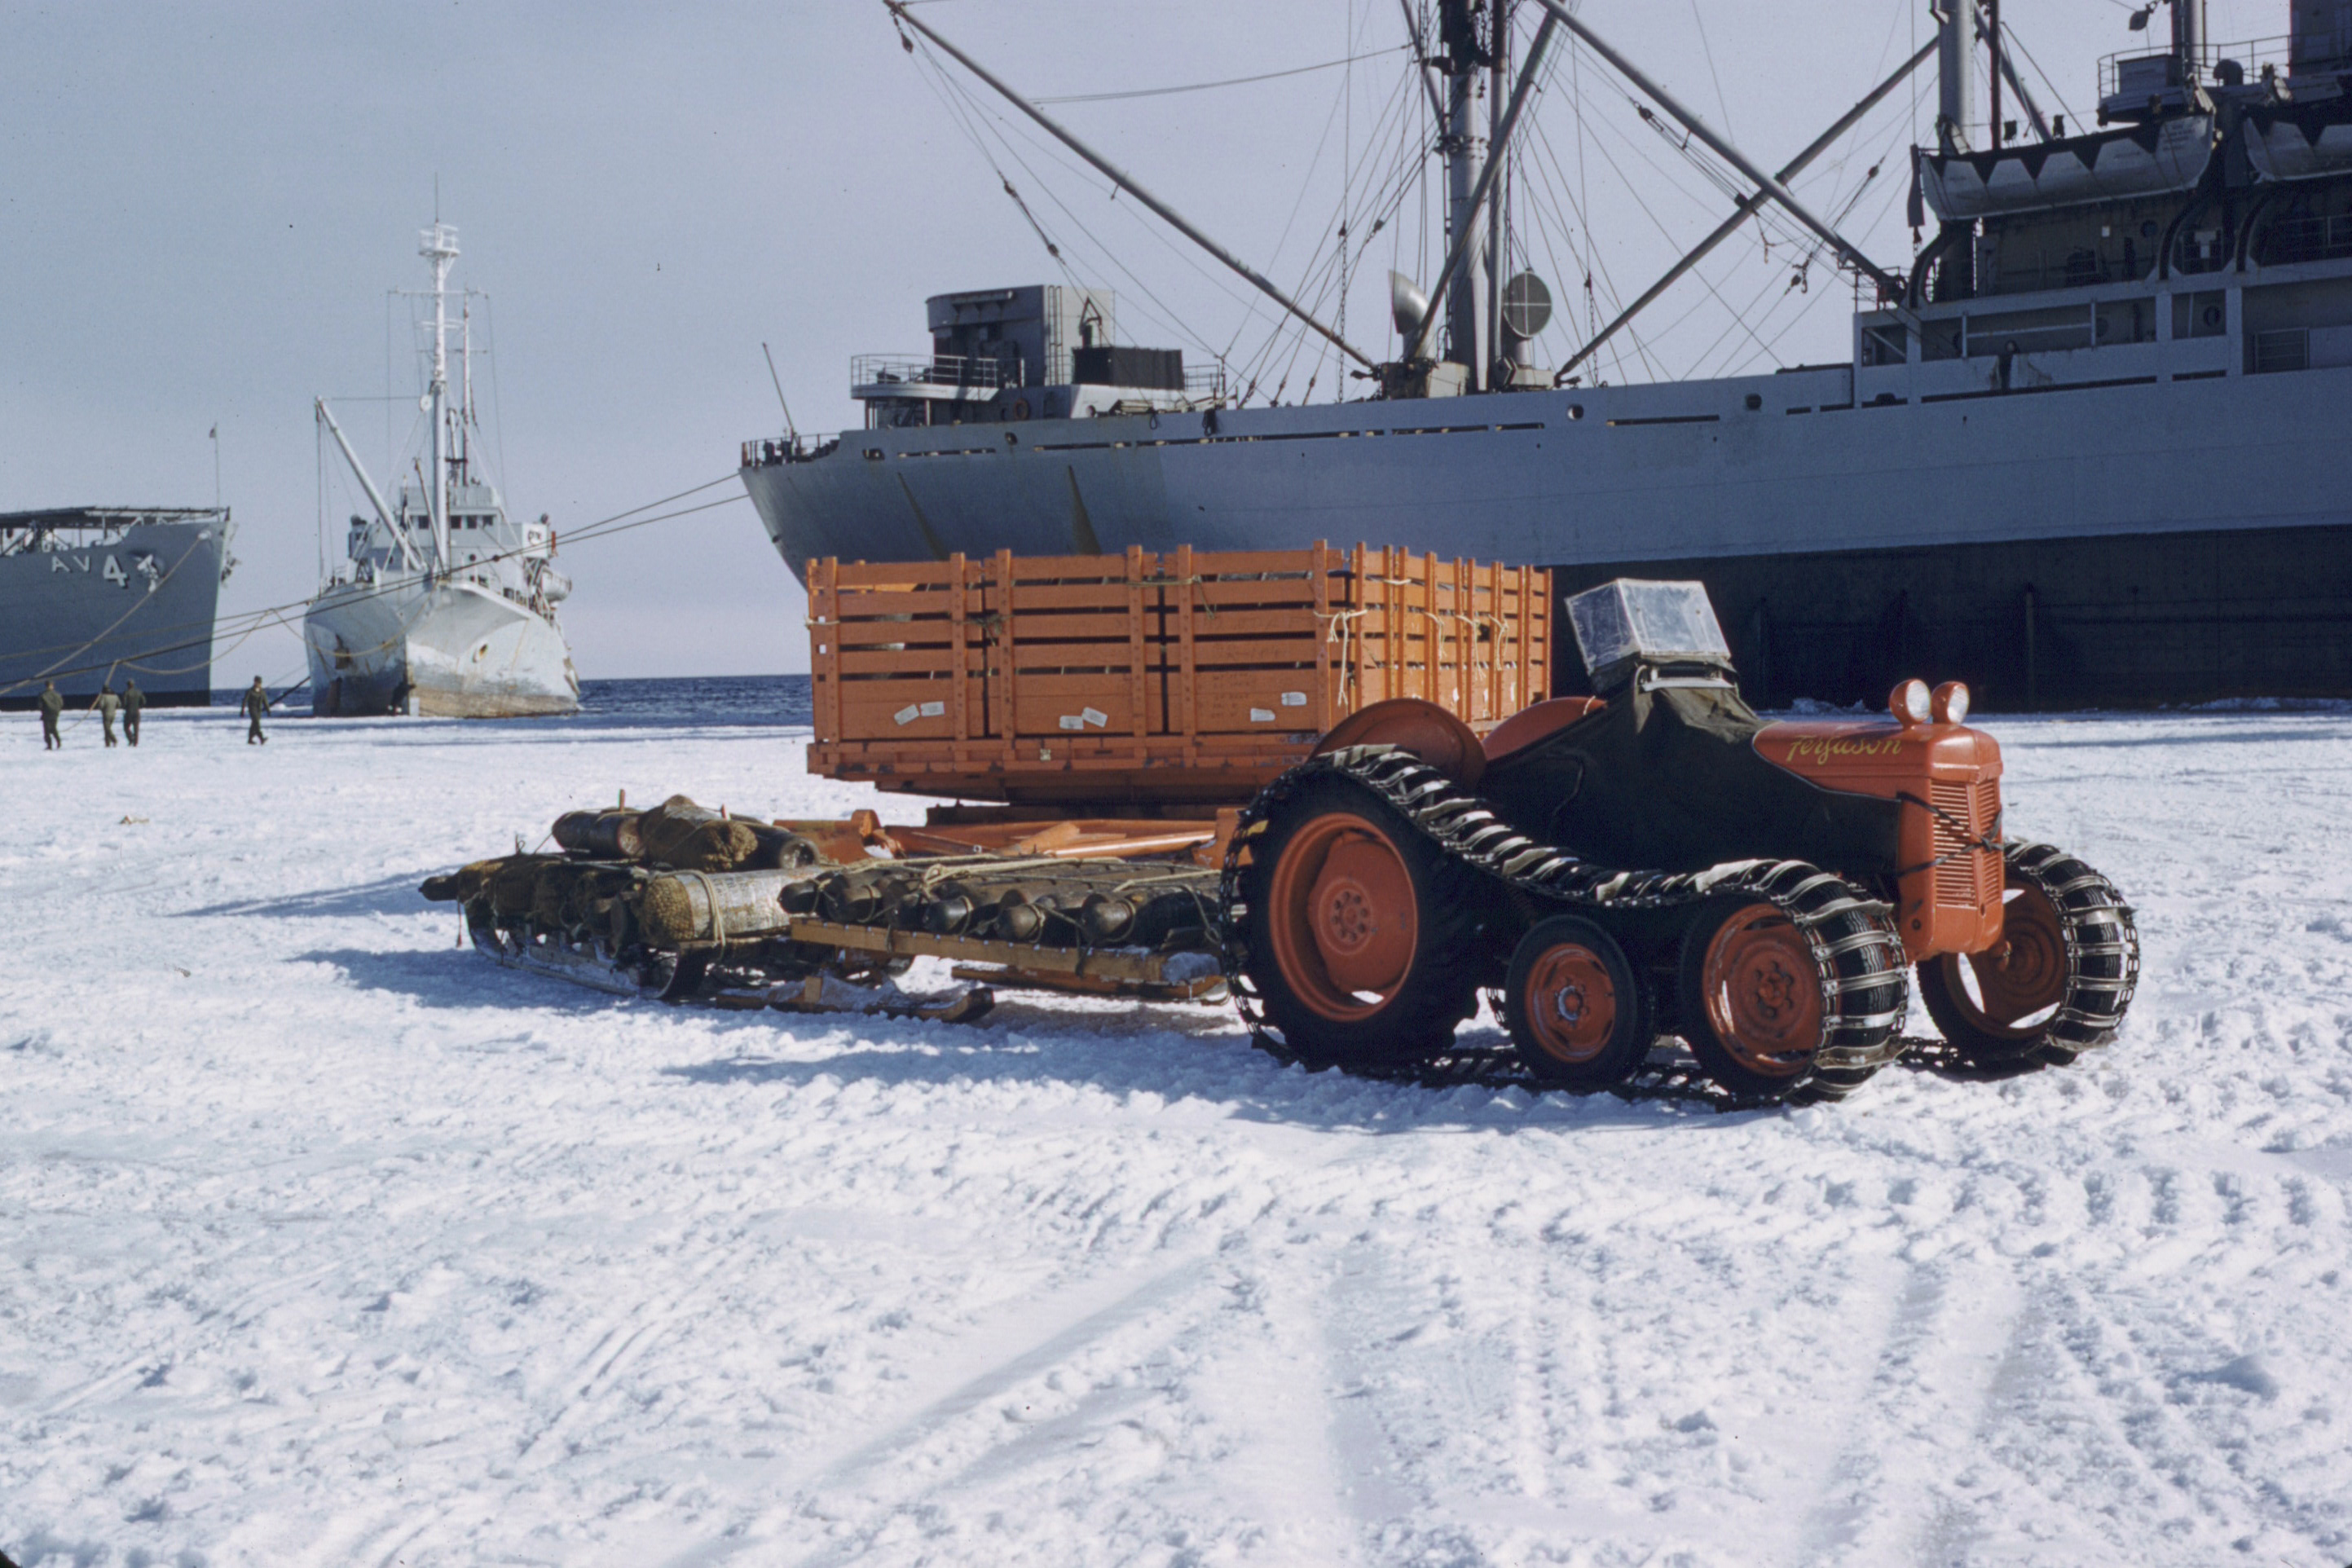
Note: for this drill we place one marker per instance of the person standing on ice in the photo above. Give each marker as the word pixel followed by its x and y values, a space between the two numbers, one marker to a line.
pixel 255 703
pixel 53 706
pixel 134 701
pixel 107 705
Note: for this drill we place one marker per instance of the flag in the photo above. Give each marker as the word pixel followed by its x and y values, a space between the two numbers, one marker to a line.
pixel 214 433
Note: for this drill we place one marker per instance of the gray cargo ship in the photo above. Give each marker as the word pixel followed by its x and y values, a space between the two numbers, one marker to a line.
pixel 2088 446
pixel 92 594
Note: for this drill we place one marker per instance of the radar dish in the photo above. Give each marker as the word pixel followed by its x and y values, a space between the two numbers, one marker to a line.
pixel 1527 306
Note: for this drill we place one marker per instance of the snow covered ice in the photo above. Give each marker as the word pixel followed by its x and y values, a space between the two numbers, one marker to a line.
pixel 327 1242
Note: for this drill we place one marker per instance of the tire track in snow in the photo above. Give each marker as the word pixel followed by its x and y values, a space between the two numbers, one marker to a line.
pixel 1916 1421
pixel 1083 1315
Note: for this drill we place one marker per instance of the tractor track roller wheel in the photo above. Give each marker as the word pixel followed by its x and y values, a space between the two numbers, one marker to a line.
pixel 1363 938
pixel 2061 977
pixel 1751 999
pixel 1579 1014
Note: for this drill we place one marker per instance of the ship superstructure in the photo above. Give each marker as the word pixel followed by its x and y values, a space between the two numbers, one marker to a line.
pixel 2086 446
pixel 90 596
pixel 444 606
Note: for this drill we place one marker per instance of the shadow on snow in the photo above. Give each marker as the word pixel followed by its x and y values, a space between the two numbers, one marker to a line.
pixel 1169 1051
pixel 386 896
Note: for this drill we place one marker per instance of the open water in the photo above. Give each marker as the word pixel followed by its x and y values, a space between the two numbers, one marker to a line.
pixel 766 701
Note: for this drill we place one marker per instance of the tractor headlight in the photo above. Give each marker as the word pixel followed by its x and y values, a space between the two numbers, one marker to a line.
pixel 1911 703
pixel 1951 703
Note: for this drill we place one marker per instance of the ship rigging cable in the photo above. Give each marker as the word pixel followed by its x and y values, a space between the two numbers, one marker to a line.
pixel 1328 269
pixel 975 118
pixel 1229 81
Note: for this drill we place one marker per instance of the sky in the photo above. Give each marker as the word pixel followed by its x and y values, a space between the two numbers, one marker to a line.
pixel 204 211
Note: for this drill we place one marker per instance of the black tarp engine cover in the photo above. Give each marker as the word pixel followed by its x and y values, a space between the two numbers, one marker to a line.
pixel 1670 780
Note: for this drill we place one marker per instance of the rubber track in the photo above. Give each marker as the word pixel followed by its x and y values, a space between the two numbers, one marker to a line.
pixel 1466 828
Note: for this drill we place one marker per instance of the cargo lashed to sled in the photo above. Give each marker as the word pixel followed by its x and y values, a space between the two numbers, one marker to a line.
pixel 1184 678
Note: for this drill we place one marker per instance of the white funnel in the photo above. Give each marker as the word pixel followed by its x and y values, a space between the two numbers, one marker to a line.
pixel 1408 306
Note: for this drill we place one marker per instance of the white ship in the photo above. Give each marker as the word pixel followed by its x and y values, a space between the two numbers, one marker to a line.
pixel 2087 445
pixel 444 606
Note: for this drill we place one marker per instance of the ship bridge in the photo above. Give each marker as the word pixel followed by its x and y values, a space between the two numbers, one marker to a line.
pixel 1044 352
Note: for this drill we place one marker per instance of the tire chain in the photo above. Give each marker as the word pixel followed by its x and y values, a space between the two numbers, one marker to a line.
pixel 1469 830
pixel 2094 1003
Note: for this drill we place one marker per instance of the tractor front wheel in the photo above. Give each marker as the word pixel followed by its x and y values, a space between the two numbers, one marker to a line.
pixel 2058 982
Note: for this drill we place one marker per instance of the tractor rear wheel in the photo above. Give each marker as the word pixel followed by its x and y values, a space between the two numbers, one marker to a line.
pixel 1363 939
pixel 1578 1012
pixel 1751 999
pixel 2058 982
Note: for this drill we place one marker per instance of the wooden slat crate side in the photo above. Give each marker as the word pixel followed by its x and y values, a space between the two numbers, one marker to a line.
pixel 1143 630
pixel 868 663
pixel 1106 596
pixel 825 679
pixel 888 604
pixel 1249 563
pixel 993 580
pixel 931 631
pixel 895 715
pixel 1184 720
pixel 1288 620
pixel 1256 701
pixel 1075 626
pixel 1218 598
pixel 1184 656
pixel 1069 568
pixel 963 703
pixel 859 581
pixel 1077 704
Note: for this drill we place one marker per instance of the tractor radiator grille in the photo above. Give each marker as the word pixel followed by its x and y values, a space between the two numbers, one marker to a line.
pixel 1966 877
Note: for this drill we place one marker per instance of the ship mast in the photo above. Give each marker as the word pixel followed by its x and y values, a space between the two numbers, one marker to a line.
pixel 1465 55
pixel 439 245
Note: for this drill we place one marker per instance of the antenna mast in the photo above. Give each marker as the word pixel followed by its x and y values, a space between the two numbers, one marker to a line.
pixel 466 368
pixel 439 245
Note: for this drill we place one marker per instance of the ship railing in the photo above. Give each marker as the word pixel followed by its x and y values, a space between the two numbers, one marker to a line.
pixel 2137 70
pixel 2325 238
pixel 1204 383
pixel 766 452
pixel 881 375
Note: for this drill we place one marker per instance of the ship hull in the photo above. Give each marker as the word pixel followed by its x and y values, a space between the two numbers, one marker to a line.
pixel 86 616
pixel 2113 519
pixel 447 649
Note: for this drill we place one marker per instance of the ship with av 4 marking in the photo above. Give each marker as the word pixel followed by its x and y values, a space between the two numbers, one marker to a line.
pixel 2087 445
pixel 92 596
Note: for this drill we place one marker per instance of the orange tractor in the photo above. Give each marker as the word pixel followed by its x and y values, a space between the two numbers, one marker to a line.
pixel 1331 785
pixel 1657 860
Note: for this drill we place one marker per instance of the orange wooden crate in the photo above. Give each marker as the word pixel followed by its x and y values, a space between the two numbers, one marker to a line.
pixel 1188 678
